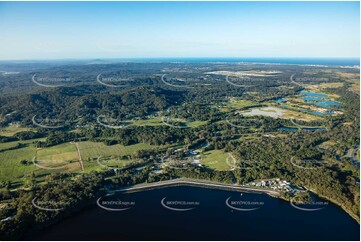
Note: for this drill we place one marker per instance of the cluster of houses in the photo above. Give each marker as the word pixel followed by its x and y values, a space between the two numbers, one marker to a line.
pixel 275 184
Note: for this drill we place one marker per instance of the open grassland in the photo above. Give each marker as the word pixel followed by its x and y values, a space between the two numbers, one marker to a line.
pixel 90 151
pixel 10 167
pixel 353 78
pixel 62 157
pixel 195 124
pixel 331 85
pixel 290 114
pixel 216 159
pixel 155 121
pixel 12 144
pixel 12 130
pixel 58 153
pixel 114 162
pixel 235 104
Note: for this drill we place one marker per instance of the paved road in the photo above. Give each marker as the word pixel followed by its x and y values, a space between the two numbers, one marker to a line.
pixel 198 183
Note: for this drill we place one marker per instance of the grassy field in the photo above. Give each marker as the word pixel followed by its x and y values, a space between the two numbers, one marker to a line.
pixel 64 156
pixel 10 167
pixel 196 124
pixel 156 121
pixel 13 144
pixel 236 104
pixel 58 158
pixel 215 159
pixel 301 116
pixel 58 153
pixel 113 162
pixel 353 78
pixel 11 130
pixel 90 151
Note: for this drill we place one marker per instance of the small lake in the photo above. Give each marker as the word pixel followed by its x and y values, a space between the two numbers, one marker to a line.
pixel 319 99
pixel 205 216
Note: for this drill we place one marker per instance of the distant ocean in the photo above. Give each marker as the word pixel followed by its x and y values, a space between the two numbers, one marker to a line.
pixel 295 61
pixel 291 61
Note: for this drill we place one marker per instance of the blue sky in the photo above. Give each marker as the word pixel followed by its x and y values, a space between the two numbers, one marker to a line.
pixel 56 30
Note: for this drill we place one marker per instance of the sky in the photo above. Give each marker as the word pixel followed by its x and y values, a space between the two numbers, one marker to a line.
pixel 58 30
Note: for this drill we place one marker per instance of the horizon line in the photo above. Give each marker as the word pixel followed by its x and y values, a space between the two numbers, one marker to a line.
pixel 190 57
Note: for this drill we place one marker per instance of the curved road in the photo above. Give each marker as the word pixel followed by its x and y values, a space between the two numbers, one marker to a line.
pixel 297 83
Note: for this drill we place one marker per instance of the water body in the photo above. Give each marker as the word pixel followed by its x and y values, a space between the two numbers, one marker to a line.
pixel 319 99
pixel 210 219
pixel 304 129
pixel 281 100
pixel 294 61
pixel 314 94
